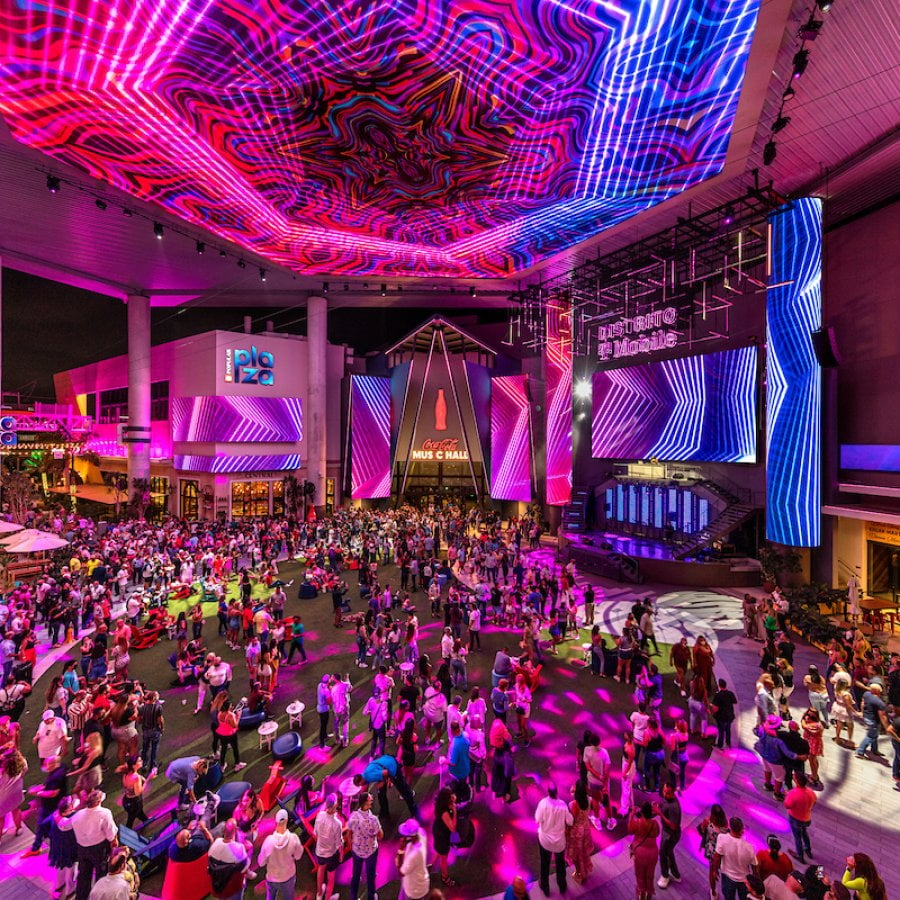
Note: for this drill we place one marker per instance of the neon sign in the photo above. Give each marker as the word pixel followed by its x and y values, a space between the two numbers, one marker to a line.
pixel 250 366
pixel 614 341
pixel 445 450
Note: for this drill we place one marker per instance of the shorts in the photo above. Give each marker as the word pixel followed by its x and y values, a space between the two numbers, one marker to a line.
pixel 124 732
pixel 597 792
pixel 330 863
pixel 776 770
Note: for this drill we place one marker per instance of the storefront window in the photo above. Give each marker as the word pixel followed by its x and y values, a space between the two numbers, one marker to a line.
pixel 159 498
pixel 249 498
pixel 190 499
pixel 277 498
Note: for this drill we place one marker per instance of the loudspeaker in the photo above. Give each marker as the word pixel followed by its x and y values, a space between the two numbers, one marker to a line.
pixel 825 348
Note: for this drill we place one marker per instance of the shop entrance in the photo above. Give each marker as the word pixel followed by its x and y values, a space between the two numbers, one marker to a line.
pixel 883 569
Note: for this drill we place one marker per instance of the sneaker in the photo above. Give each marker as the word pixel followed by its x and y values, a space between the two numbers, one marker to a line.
pixel 778 795
pixel 239 766
pixel 675 877
pixel 663 882
pixel 768 787
pixel 364 665
pixel 611 823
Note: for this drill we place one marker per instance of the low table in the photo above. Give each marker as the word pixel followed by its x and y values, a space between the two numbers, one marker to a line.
pixel 348 791
pixel 295 713
pixel 267 732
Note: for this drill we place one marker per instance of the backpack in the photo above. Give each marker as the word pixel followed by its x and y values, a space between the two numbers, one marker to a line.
pixel 222 874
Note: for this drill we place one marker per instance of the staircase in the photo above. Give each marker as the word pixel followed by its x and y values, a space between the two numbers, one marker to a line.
pixel 732 517
pixel 574 517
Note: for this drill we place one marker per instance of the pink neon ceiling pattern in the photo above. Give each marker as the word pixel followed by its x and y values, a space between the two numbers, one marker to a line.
pixel 383 138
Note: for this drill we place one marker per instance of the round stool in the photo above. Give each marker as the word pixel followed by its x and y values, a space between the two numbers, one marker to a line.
pixel 295 714
pixel 267 732
pixel 287 747
pixel 406 668
pixel 348 791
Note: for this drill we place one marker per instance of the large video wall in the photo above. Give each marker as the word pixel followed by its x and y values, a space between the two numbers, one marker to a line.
pixel 693 409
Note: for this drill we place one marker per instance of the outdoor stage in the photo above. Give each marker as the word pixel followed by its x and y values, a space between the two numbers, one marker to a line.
pixel 634 559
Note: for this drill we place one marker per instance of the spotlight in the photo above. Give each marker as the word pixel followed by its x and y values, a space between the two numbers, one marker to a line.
pixel 801 61
pixel 728 218
pixel 127 212
pixel 158 230
pixel 201 247
pixel 100 204
pixel 770 151
pixel 810 31
pixel 262 275
pixel 472 291
pixel 53 184
pixel 780 123
pixel 824 5
pixel 789 93
pixel 383 290
pixel 582 390
pixel 242 264
pixel 324 287
pixel 222 254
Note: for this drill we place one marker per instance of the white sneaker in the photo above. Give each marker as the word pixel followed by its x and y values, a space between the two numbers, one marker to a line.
pixel 239 766
pixel 662 883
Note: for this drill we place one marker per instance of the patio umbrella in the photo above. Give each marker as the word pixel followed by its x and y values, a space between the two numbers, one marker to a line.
pixel 9 527
pixel 20 534
pixel 35 543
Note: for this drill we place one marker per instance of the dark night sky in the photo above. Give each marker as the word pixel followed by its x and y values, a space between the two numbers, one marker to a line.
pixel 50 327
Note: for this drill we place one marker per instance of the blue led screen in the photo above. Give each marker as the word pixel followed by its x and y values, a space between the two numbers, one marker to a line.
pixel 693 409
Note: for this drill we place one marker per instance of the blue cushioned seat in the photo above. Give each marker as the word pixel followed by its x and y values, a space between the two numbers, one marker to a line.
pixel 287 747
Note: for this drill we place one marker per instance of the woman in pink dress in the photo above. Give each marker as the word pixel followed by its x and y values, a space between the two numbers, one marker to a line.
pixel 812 734
pixel 579 841
pixel 644 850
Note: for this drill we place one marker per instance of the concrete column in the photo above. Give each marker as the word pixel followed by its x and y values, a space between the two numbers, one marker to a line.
pixel 137 431
pixel 315 429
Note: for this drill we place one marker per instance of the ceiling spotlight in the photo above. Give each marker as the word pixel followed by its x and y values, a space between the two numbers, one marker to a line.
pixel 825 5
pixel 770 151
pixel 158 230
pixel 262 275
pixel 201 247
pixel 383 290
pixel 780 123
pixel 324 287
pixel 728 218
pixel 222 254
pixel 53 184
pixel 582 390
pixel 242 264
pixel 472 291
pixel 127 212
pixel 810 31
pixel 100 204
pixel 789 93
pixel 801 61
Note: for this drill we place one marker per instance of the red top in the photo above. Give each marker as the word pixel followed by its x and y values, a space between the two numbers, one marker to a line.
pixel 799 803
pixel 782 867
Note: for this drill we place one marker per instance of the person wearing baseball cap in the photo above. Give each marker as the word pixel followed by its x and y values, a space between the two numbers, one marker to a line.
pixel 411 861
pixel 280 853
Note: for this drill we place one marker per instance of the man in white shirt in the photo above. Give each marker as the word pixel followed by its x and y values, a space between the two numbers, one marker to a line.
pixel 734 859
pixel 474 628
pixel 552 816
pixel 51 737
pixel 95 830
pixel 412 862
pixel 793 886
pixel 329 831
pixel 340 706
pixel 219 676
pixel 280 853
pixel 113 886
pixel 230 857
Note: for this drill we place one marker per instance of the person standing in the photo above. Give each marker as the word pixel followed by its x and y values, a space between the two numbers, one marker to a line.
pixel 669 812
pixel 323 705
pixel 152 726
pixel 365 832
pixel 50 795
pixel 52 736
pixel 552 817
pixel 799 802
pixel 95 830
pixel 579 841
pixel 874 716
pixel 329 833
pixel 723 704
pixel 734 859
pixel 115 885
pixel 340 705
pixel 412 862
pixel 644 850
pixel 280 853
pixel 589 596
pixel 298 636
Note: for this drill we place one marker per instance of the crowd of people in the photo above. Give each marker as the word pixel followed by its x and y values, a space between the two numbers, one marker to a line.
pixel 454 574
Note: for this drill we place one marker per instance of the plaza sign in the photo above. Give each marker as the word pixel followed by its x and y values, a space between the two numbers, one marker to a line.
pixel 632 335
pixel 251 366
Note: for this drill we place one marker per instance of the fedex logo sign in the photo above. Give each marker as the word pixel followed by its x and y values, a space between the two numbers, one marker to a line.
pixel 249 366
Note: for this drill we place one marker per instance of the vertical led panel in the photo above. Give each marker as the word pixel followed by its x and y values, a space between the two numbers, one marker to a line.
pixel 794 384
pixel 510 439
pixel 558 376
pixel 370 437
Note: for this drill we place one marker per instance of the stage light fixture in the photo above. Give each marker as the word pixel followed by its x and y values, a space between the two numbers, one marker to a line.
pixel 241 264
pixel 801 61
pixel 222 254
pixel 770 151
pixel 780 123
pixel 810 31
pixel 824 5
pixel 127 212
pixel 158 230
pixel 384 290
pixel 201 247
pixel 472 291
pixel 789 94
pixel 324 287
pixel 582 390
pixel 728 218
pixel 262 275
pixel 100 204
pixel 53 184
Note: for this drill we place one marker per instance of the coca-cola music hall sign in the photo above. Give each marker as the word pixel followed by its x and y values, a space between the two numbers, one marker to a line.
pixel 442 450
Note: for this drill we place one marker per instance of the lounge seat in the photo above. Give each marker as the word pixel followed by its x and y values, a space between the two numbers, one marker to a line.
pixel 150 853
pixel 187 880
pixel 287 747
pixel 229 796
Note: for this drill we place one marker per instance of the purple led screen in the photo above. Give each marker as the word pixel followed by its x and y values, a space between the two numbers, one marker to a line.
pixel 558 374
pixel 871 457
pixel 370 437
pixel 510 439
pixel 237 419
pixel 239 462
pixel 696 408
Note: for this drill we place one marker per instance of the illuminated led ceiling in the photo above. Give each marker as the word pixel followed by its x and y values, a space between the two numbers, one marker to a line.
pixel 394 138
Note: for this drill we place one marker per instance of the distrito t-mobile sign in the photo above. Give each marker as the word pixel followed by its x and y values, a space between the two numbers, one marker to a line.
pixel 249 366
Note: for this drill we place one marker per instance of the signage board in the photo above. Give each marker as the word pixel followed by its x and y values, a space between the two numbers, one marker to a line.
pixel 249 365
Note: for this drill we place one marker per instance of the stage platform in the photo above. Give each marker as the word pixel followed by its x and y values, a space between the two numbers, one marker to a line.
pixel 634 559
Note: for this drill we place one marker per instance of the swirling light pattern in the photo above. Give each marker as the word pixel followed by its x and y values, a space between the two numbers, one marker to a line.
pixel 696 408
pixel 369 137
pixel 558 377
pixel 370 437
pixel 237 419
pixel 794 377
pixel 510 439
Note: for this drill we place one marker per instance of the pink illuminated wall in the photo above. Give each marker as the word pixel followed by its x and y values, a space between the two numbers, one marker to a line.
pixel 370 437
pixel 237 462
pixel 510 439
pixel 237 419
pixel 558 376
